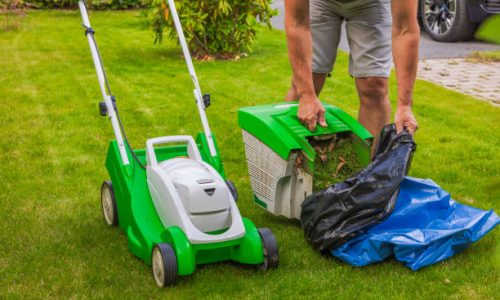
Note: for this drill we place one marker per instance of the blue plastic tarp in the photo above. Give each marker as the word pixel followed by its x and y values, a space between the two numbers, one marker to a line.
pixel 426 227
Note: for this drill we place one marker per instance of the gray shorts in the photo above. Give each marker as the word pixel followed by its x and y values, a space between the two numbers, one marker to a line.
pixel 368 26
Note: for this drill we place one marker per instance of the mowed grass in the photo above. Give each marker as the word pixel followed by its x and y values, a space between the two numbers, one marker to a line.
pixel 53 240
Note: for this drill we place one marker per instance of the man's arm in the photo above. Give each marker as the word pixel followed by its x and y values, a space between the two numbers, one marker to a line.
pixel 299 42
pixel 405 40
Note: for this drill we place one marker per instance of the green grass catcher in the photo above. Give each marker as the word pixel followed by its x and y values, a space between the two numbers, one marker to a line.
pixel 172 199
pixel 281 154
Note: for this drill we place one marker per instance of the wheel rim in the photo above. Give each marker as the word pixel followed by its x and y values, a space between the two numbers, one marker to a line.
pixel 440 15
pixel 107 205
pixel 158 268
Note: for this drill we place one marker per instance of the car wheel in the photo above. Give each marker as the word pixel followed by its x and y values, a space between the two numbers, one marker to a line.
pixel 447 20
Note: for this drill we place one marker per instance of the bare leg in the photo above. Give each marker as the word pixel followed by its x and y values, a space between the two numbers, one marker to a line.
pixel 375 109
pixel 292 94
pixel 318 80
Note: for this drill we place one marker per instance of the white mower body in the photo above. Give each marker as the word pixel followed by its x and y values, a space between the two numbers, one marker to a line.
pixel 191 194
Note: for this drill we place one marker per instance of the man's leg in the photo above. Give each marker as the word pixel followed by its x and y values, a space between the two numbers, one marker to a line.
pixel 375 108
pixel 292 94
pixel 368 29
pixel 319 82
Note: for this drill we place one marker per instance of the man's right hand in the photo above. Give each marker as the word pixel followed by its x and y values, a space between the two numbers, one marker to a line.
pixel 311 112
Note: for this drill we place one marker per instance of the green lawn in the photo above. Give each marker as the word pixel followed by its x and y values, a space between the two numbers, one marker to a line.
pixel 53 240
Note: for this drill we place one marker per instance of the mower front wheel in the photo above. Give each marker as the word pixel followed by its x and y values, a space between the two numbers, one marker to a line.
pixel 108 204
pixel 164 265
pixel 269 248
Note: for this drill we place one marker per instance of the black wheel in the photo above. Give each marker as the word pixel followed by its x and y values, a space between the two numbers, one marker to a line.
pixel 270 249
pixel 164 265
pixel 447 20
pixel 108 204
pixel 233 189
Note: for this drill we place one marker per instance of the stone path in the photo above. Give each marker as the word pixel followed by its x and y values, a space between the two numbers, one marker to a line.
pixel 481 80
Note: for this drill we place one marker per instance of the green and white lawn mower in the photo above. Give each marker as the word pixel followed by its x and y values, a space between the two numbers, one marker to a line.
pixel 172 199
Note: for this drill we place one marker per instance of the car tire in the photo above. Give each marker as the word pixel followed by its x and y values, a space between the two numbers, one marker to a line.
pixel 447 21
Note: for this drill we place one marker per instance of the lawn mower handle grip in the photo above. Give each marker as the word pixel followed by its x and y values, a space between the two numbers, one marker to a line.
pixel 192 148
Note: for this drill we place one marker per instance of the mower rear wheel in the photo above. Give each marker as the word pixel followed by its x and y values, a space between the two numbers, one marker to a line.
pixel 233 189
pixel 164 265
pixel 270 249
pixel 108 204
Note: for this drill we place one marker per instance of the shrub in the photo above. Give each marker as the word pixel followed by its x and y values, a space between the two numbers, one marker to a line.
pixel 12 11
pixel 52 3
pixel 216 28
pixel 96 4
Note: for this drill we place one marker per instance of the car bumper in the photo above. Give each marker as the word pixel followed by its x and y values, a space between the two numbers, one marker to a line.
pixel 479 10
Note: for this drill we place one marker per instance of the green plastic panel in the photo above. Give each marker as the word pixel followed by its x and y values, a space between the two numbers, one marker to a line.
pixel 139 221
pixel 259 202
pixel 277 126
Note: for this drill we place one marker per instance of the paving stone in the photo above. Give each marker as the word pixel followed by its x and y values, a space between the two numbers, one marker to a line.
pixel 481 80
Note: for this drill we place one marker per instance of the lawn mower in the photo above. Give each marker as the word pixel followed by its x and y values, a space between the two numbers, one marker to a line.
pixel 281 152
pixel 172 199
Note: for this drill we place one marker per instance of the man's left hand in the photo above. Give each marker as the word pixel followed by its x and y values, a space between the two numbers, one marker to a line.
pixel 405 119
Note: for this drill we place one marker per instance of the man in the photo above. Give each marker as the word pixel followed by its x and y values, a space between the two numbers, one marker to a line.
pixel 313 32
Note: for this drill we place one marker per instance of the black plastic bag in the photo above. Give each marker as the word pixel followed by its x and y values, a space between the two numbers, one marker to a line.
pixel 345 210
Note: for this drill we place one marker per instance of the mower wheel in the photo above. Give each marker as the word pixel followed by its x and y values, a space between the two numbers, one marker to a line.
pixel 270 249
pixel 164 265
pixel 108 203
pixel 233 189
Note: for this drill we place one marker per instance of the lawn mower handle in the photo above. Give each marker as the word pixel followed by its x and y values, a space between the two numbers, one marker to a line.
pixel 197 91
pixel 192 148
pixel 102 81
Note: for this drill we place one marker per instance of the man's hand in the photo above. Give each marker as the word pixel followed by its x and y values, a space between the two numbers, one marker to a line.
pixel 404 119
pixel 311 112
